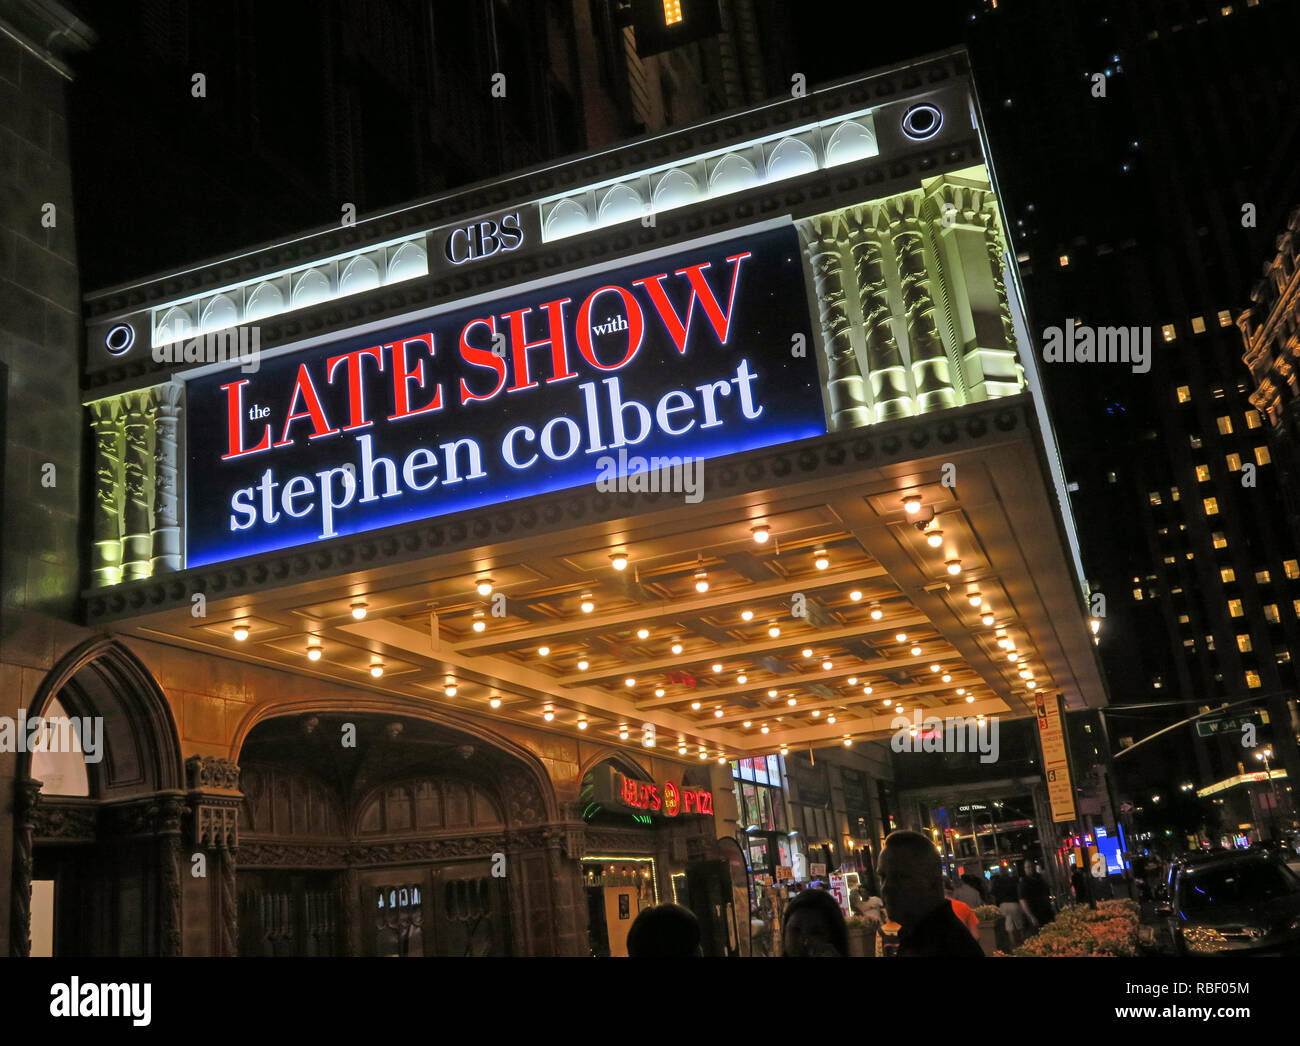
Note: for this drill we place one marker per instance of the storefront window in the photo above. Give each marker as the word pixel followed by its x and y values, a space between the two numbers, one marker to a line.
pixel 760 770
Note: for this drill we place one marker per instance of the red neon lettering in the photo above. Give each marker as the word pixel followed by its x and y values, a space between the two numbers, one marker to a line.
pixel 688 800
pixel 519 345
pixel 235 423
pixel 654 798
pixel 481 358
pixel 705 802
pixel 320 426
pixel 700 290
pixel 403 375
pixel 635 327
pixel 356 385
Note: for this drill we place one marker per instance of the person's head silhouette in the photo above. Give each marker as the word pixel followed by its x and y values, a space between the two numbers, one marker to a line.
pixel 666 931
pixel 814 926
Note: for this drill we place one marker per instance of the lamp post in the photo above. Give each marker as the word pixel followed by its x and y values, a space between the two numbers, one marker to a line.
pixel 1264 756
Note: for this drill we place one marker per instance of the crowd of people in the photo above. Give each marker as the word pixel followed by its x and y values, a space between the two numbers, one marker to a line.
pixel 934 916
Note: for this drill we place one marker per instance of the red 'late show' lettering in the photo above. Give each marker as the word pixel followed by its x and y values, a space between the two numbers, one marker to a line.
pixel 519 344
pixel 700 291
pixel 635 330
pixel 356 386
pixel 403 375
pixel 235 423
pixel 320 425
pixel 481 358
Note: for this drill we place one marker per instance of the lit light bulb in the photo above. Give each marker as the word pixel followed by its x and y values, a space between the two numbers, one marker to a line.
pixel 643 633
pixel 761 533
pixel 484 586
pixel 774 631
pixel 853 680
pixel 549 714
pixel 912 504
pixel 241 632
pixel 747 724
pixel 970 699
pixel 746 615
pixel 961 690
pixel 901 637
pixel 619 560
pixel 848 742
pixel 830 719
pixel 1026 673
pixel 934 538
pixel 986 619
pixel 975 598
pixel 856 596
pixel 377 669
pixel 764 729
pixel 828 665
pixel 954 566
pixel 717 667
pixel 702 581
pixel 659 691
pixel 479 623
pixel 717 713
pixel 314 651
pixel 784 750
pixel 582 665
pixel 544 651
pixel 359 609
pixel 582 724
pixel 677 648
pixel 629 681
pixel 916 651
pixel 587 605
pixel 887 702
pixel 681 749
pixel 622 735
pixel 934 668
pixel 816 713
pixel 876 612
pixel 704 755
pixel 946 678
pixel 695 706
pixel 1032 685
pixel 821 561
pixel 722 760
pixel 1013 656
pixel 791 701
pixel 449 689
pixel 771 693
pixel 494 702
pixel 742 679
pixel 807 651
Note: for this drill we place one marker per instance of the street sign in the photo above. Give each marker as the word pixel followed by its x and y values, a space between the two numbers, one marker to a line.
pixel 1227 724
pixel 1056 765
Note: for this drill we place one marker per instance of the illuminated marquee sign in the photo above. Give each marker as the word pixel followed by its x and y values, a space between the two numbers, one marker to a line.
pixel 694 355
pixel 670 801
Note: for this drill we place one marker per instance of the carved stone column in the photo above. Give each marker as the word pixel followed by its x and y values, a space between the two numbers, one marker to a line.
pixel 170 813
pixel 352 915
pixel 996 251
pixel 214 802
pixel 137 509
pixel 106 521
pixel 166 534
pixel 930 375
pixel 884 360
pixel 27 795
pixel 849 403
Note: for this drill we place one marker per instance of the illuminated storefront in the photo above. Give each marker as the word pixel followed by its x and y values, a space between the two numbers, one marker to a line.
pixel 732 442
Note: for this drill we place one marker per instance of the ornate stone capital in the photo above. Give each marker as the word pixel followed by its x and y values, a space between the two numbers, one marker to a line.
pixel 212 773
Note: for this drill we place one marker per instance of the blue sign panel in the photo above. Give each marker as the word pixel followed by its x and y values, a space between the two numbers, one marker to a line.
pixel 705 353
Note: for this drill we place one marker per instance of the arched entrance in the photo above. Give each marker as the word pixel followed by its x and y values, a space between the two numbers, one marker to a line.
pixel 389 835
pixel 98 812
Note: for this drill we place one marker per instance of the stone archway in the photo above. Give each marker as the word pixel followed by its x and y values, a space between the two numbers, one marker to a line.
pixel 108 847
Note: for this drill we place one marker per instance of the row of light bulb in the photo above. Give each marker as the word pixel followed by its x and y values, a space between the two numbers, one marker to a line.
pixel 933 536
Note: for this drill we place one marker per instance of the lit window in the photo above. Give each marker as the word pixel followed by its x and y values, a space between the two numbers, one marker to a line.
pixel 1262 456
pixel 1211 506
pixel 1225 10
pixel 1203 473
pixel 1243 644
pixel 673 11
pixel 1234 462
pixel 1234 608
pixel 1219 540
pixel 1191 555
pixel 1190 644
pixel 1168 331
pixel 1252 679
pixel 1225 426
pixel 1154 497
pixel 1195 441
pixel 1183 619
pixel 1262 577
pixel 1065 260
pixel 1173 493
pixel 1295 607
pixel 1253 420
pixel 1157 682
pixel 1184 393
pixel 1198 324
pixel 1169 559
pixel 1209 642
pixel 1291 568
pixel 1283 657
pixel 1227 574
pixel 1111 477
pixel 1225 318
pixel 1271 615
pixel 1137 593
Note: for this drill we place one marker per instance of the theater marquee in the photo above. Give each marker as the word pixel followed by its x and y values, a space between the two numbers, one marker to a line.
pixel 700 354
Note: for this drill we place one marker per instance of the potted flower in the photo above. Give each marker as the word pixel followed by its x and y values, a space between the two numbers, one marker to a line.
pixel 988 916
pixel 862 936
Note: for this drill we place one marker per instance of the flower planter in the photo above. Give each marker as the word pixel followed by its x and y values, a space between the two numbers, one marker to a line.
pixel 988 937
pixel 862 942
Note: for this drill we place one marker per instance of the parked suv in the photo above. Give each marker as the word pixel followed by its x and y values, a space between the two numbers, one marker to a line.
pixel 1234 903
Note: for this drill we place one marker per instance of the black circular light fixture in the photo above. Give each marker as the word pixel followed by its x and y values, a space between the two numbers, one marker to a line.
pixel 119 339
pixel 922 122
